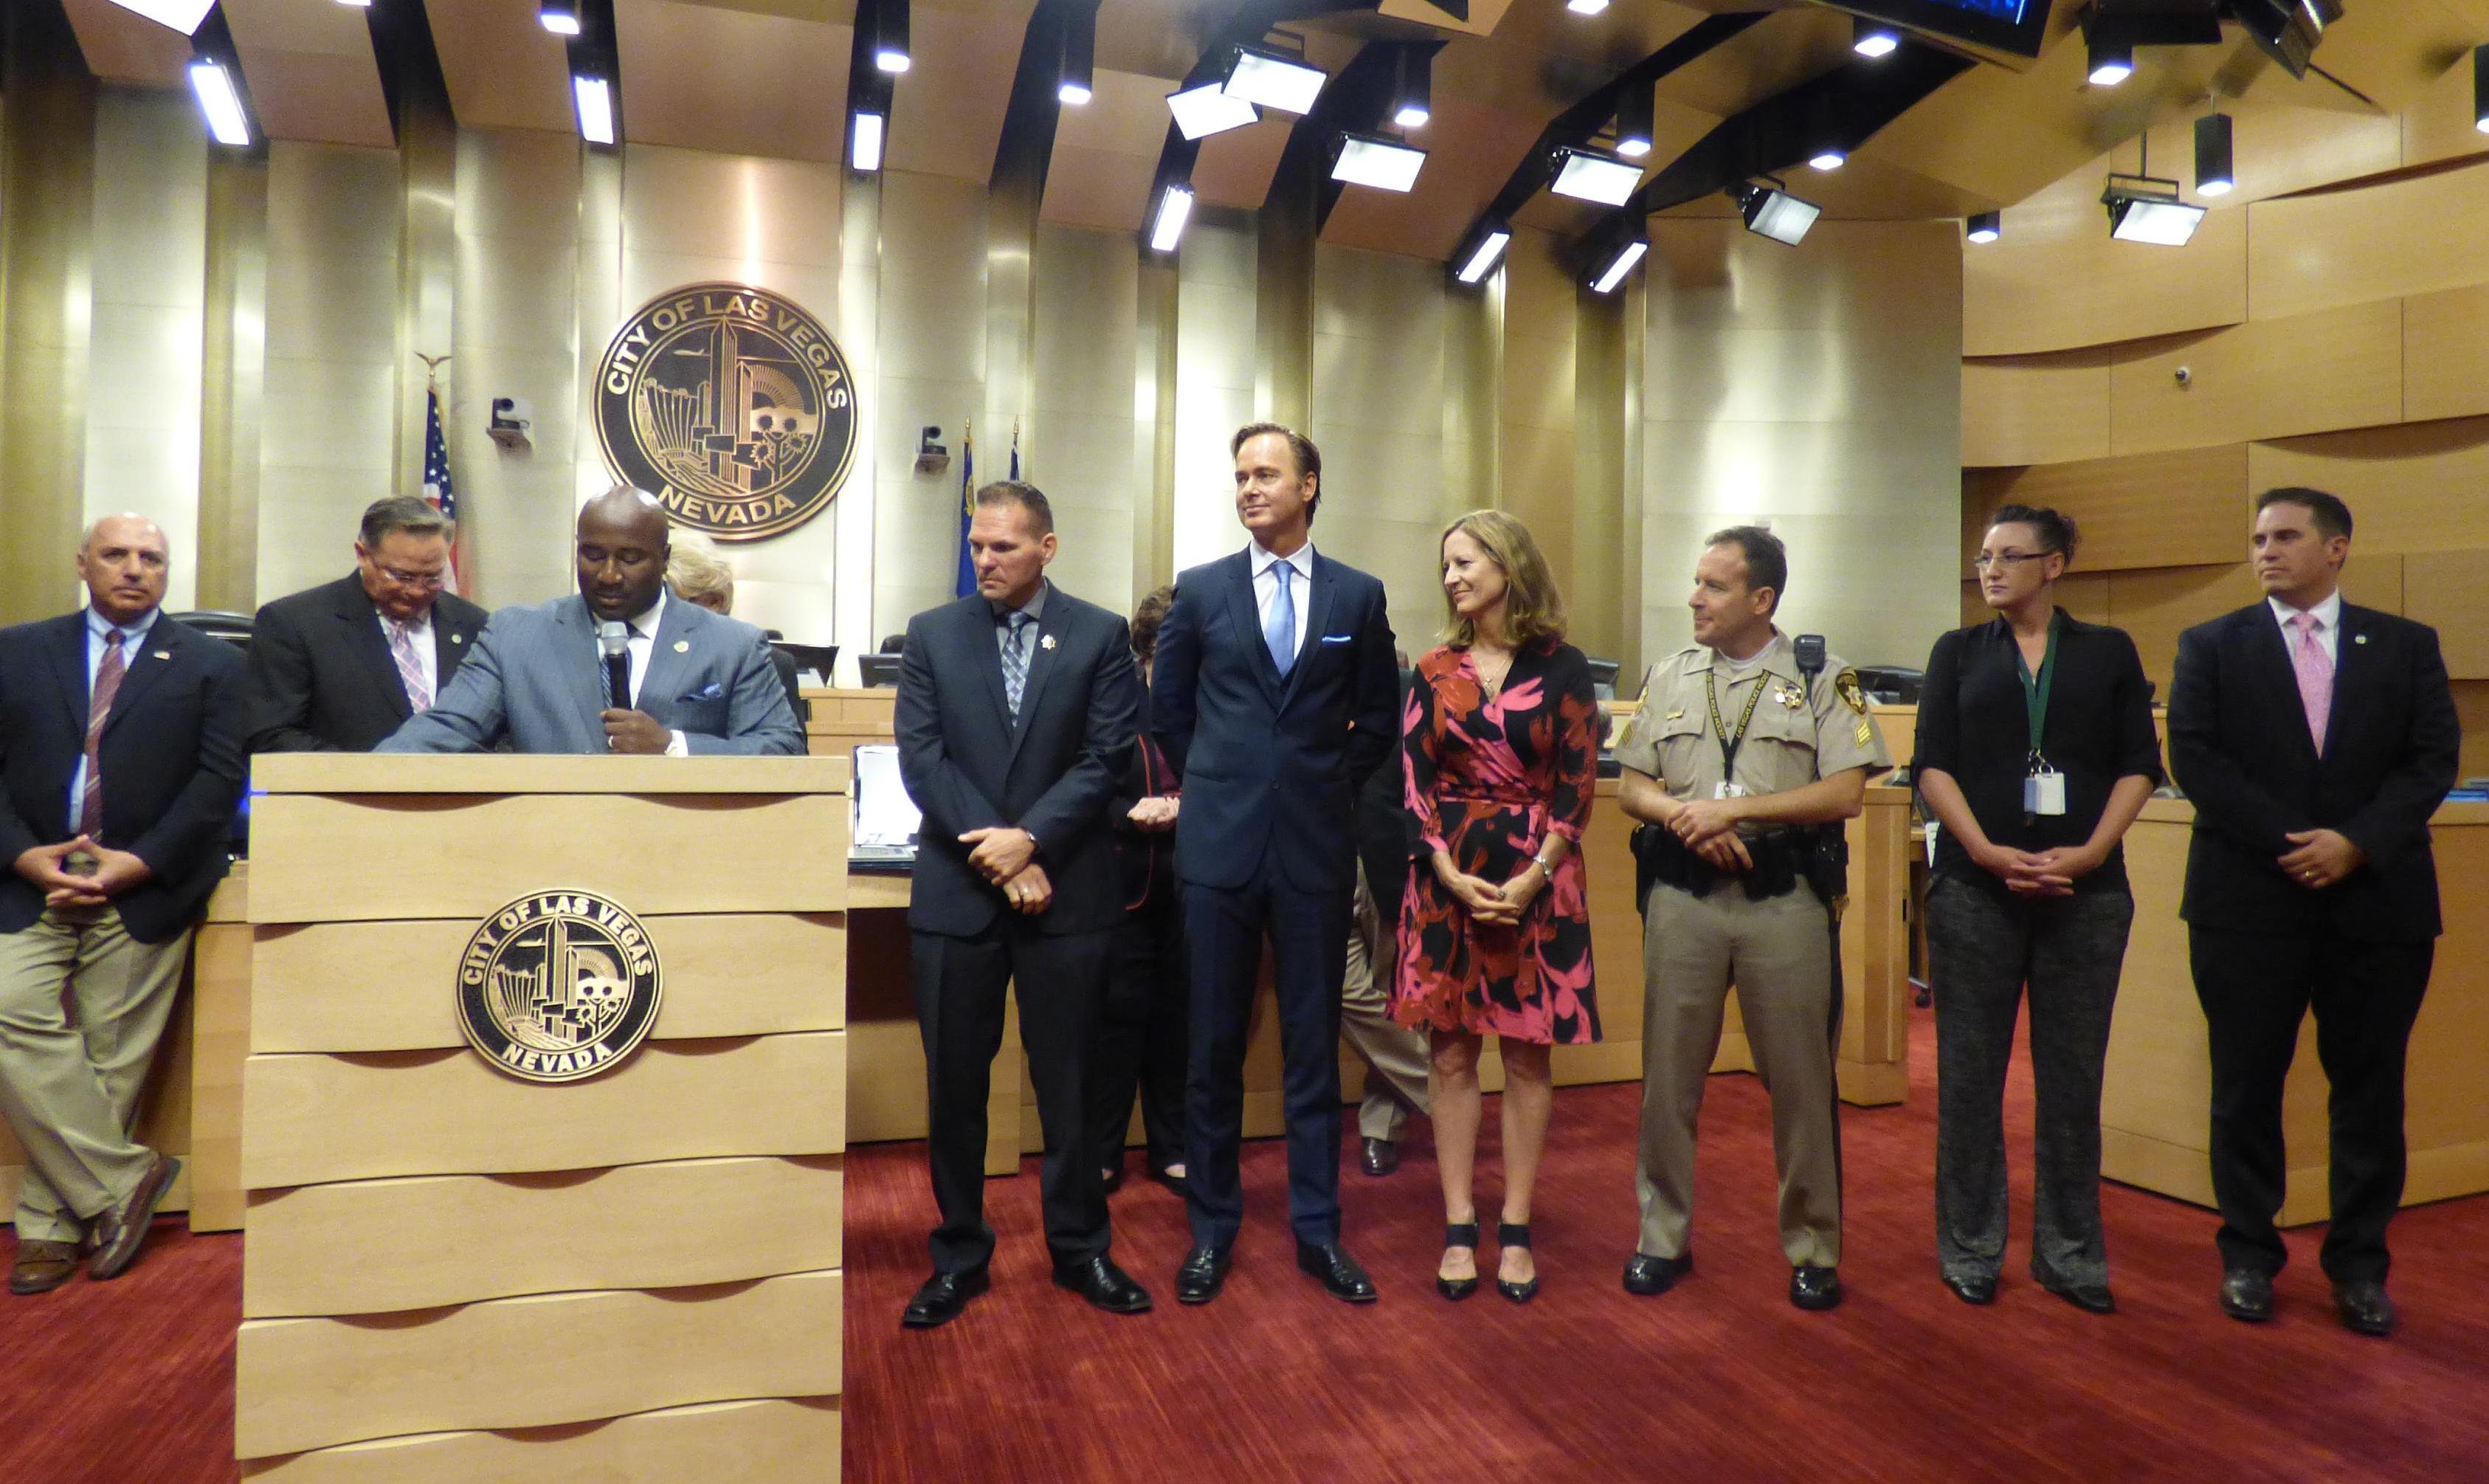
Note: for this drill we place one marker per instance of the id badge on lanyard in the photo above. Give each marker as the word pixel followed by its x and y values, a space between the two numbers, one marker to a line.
pixel 2043 788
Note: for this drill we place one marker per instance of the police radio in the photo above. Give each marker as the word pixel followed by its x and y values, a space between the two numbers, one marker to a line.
pixel 1810 659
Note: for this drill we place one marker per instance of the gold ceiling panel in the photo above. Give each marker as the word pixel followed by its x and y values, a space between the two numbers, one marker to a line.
pixel 503 70
pixel 735 81
pixel 1107 153
pixel 311 72
pixel 947 115
pixel 1234 168
pixel 125 47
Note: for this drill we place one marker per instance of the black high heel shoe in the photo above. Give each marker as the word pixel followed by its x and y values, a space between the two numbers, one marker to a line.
pixel 1508 1235
pixel 1458 1234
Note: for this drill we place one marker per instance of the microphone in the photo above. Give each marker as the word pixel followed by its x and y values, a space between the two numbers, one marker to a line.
pixel 614 641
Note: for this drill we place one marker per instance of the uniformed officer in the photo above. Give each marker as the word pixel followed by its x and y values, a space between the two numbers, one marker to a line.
pixel 1744 766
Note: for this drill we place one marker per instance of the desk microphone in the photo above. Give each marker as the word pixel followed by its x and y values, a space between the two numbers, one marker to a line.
pixel 614 639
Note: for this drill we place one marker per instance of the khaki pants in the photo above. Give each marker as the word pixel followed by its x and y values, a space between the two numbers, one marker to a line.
pixel 1396 1056
pixel 1778 952
pixel 82 1004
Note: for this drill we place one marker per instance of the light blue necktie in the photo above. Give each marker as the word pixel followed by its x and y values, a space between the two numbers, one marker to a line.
pixel 1015 659
pixel 1280 624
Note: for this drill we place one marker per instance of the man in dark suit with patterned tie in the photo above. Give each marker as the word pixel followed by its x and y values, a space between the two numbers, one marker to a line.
pixel 2315 738
pixel 1015 717
pixel 1275 695
pixel 336 667
pixel 119 765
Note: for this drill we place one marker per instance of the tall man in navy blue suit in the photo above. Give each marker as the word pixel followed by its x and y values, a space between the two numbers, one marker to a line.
pixel 1274 694
pixel 2315 739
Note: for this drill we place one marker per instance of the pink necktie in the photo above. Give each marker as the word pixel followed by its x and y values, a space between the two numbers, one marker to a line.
pixel 410 670
pixel 2315 677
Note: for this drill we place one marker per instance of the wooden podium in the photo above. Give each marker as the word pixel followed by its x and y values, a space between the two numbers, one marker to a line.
pixel 453 1274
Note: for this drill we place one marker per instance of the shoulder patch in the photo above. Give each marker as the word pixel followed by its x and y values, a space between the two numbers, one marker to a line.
pixel 1851 695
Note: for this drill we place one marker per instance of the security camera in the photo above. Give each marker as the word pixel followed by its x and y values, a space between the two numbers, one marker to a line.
pixel 931 458
pixel 510 422
pixel 2184 376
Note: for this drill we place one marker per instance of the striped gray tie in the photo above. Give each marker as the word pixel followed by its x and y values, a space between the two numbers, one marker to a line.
pixel 1015 659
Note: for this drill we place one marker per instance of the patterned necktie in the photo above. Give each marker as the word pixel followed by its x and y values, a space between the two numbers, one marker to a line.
pixel 99 710
pixel 1015 659
pixel 1280 624
pixel 2315 676
pixel 410 670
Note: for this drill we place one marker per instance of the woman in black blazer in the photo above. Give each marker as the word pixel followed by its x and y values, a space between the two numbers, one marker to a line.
pixel 2034 752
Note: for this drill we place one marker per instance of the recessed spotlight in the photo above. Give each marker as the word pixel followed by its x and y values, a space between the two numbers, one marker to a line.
pixel 2110 64
pixel 1986 226
pixel 1875 40
pixel 559 16
pixel 1828 159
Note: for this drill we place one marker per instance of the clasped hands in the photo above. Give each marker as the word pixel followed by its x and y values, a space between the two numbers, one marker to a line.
pixel 1500 906
pixel 2323 858
pixel 2050 873
pixel 47 867
pixel 1155 815
pixel 1007 857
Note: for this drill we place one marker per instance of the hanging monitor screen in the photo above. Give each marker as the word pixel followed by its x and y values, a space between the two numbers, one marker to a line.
pixel 2014 27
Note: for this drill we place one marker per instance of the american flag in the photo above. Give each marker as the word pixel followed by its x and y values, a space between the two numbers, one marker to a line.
pixel 436 473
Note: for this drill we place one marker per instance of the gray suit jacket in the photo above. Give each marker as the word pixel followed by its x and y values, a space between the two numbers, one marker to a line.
pixel 533 679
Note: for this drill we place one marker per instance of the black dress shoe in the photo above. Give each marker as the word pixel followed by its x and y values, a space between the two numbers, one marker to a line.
pixel 1337 1272
pixel 1815 1288
pixel 2092 1297
pixel 1380 1157
pixel 1652 1276
pixel 2246 1294
pixel 1972 1290
pixel 942 1298
pixel 1458 1234
pixel 1201 1274
pixel 1509 1234
pixel 2364 1307
pixel 1111 1181
pixel 1103 1284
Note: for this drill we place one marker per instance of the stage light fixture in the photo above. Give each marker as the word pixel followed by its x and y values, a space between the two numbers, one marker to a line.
pixel 1875 40
pixel 1986 226
pixel 1635 112
pixel 2146 208
pixel 1588 175
pixel 1586 7
pixel 890 52
pixel 1413 102
pixel 220 101
pixel 2111 63
pixel 1773 213
pixel 1076 84
pixel 1274 79
pixel 594 96
pixel 1206 110
pixel 182 15
pixel 2216 175
pixel 1373 159
pixel 1488 252
pixel 864 134
pixel 559 16
pixel 1175 209
pixel 1617 266
pixel 2286 30
pixel 2480 88
pixel 1827 159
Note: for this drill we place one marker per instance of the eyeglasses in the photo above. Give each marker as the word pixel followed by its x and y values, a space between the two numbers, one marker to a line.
pixel 2006 560
pixel 429 581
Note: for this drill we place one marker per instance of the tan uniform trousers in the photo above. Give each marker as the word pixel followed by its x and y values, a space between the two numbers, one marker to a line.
pixel 1778 952
pixel 82 1006
pixel 1396 1056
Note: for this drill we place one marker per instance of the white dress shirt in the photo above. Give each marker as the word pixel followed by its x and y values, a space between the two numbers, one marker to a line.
pixel 1300 586
pixel 2328 624
pixel 641 644
pixel 427 658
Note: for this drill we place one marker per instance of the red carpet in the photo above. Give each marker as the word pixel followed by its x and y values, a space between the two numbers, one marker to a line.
pixel 1720 1379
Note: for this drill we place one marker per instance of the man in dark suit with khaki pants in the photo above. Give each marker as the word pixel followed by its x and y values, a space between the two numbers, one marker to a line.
pixel 1017 713
pixel 2315 738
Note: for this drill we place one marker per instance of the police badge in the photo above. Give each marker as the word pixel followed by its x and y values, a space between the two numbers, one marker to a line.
pixel 558 985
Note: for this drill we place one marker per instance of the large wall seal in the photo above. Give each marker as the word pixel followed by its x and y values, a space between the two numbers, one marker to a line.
pixel 731 405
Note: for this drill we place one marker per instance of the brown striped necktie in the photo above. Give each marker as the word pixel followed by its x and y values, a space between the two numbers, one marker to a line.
pixel 99 710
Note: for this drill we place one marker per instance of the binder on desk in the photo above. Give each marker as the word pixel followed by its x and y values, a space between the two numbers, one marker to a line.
pixel 886 818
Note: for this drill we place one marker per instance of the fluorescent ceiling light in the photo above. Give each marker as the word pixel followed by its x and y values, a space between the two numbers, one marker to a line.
pixel 1274 80
pixel 1828 159
pixel 1072 94
pixel 1175 205
pixel 182 15
pixel 864 152
pixel 1986 226
pixel 595 97
pixel 1370 159
pixel 219 104
pixel 1874 41
pixel 1206 110
pixel 1587 175
pixel 1586 7
pixel 1490 253
pixel 2146 208
pixel 1619 266
pixel 559 16
pixel 1776 214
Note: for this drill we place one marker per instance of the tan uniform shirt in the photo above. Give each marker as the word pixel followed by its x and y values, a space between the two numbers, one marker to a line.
pixel 1791 742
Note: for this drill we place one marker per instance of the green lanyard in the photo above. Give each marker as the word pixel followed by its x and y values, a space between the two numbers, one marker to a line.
pixel 1728 745
pixel 2035 692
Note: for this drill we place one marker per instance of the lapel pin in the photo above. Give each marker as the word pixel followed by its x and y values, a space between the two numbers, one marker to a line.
pixel 166 654
pixel 458 639
pixel 2359 639
pixel 682 646
pixel 1046 641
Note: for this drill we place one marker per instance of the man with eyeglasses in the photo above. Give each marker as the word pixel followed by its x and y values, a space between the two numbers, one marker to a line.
pixel 341 665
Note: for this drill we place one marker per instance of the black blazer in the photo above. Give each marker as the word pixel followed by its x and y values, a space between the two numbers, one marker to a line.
pixel 1387 831
pixel 1272 764
pixel 1144 859
pixel 968 767
pixel 2238 746
pixel 172 765
pixel 322 679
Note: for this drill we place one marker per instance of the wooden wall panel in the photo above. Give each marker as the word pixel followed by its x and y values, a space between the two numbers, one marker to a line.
pixel 721 1442
pixel 2446 354
pixel 2416 235
pixel 2416 487
pixel 2472 703
pixel 2439 124
pixel 2449 592
pixel 389 986
pixel 562 1357
pixel 456 1239
pixel 2341 368
pixel 2058 280
pixel 2182 508
pixel 2035 408
pixel 2156 607
pixel 323 1118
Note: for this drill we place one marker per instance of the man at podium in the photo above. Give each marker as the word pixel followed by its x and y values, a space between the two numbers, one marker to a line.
pixel 617 666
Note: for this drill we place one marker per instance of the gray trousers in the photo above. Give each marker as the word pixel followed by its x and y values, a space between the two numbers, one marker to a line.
pixel 1778 952
pixel 1983 951
pixel 1396 1056
pixel 82 1006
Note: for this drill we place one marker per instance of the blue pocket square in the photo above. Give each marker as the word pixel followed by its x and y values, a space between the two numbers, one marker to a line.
pixel 709 692
pixel 1338 638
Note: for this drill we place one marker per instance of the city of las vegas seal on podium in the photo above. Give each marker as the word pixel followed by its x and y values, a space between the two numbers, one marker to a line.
pixel 558 985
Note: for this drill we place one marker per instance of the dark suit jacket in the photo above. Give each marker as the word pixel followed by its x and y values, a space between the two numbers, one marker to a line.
pixel 1144 859
pixel 171 755
pixel 2239 745
pixel 1272 764
pixel 1053 775
pixel 1388 837
pixel 322 678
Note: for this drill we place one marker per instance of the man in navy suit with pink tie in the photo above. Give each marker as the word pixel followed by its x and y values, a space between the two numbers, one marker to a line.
pixel 1274 694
